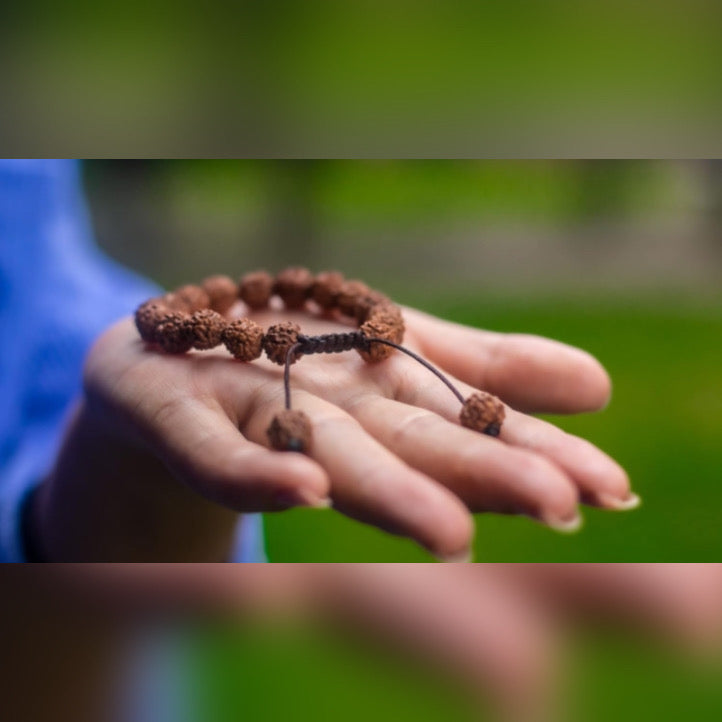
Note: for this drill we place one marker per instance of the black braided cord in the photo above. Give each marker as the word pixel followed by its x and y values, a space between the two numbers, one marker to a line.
pixel 331 343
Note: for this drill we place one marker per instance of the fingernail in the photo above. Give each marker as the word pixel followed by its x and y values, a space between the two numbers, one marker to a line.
pixel 290 498
pixel 566 526
pixel 462 557
pixel 632 501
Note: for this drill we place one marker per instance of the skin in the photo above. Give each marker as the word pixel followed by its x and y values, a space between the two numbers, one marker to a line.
pixel 498 630
pixel 163 451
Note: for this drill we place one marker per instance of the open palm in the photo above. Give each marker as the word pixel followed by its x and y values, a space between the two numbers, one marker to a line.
pixel 388 448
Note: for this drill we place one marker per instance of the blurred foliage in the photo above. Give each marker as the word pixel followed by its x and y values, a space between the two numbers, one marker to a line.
pixel 401 224
pixel 269 672
pixel 373 79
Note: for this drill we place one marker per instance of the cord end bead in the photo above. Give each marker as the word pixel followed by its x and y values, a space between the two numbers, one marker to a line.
pixel 483 412
pixel 290 430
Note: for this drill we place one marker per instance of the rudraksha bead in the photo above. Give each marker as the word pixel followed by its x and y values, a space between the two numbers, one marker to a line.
pixel 293 285
pixel 363 306
pixel 207 327
pixel 326 287
pixel 483 412
pixel 147 317
pixel 188 298
pixel 388 312
pixel 349 296
pixel 174 333
pixel 256 289
pixel 244 339
pixel 222 292
pixel 380 326
pixel 290 430
pixel 278 339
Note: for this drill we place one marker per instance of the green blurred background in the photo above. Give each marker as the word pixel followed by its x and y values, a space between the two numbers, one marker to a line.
pixel 411 78
pixel 622 258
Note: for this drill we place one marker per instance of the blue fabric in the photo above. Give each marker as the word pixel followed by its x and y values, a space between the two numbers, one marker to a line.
pixel 57 293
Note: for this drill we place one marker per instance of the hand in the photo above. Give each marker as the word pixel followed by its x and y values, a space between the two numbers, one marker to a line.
pixel 499 630
pixel 165 449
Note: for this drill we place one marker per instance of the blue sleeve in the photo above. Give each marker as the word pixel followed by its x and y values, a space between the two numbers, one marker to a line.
pixel 57 293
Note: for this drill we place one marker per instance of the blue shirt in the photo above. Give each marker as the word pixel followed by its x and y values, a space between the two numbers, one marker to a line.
pixel 57 293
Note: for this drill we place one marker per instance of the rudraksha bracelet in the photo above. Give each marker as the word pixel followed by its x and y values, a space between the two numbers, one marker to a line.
pixel 195 317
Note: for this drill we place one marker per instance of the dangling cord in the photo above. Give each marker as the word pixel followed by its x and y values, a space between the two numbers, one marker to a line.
pixel 423 362
pixel 287 373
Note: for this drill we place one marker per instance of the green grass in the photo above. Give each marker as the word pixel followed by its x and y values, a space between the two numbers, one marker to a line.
pixel 663 425
pixel 266 672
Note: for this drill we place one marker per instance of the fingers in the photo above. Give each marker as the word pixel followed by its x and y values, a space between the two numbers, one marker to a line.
pixel 679 601
pixel 528 372
pixel 371 484
pixel 201 445
pixel 487 475
pixel 599 479
pixel 460 619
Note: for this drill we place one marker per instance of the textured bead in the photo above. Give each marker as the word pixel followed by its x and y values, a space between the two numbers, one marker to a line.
pixel 173 333
pixel 364 305
pixel 188 298
pixel 244 339
pixel 388 312
pixel 483 412
pixel 256 289
pixel 383 326
pixel 222 292
pixel 326 288
pixel 207 328
pixel 293 286
pixel 278 339
pixel 349 296
pixel 148 316
pixel 290 430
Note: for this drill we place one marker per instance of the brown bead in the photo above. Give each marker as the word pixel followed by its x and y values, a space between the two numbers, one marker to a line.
pixel 326 288
pixel 244 339
pixel 349 296
pixel 222 292
pixel 290 430
pixel 173 333
pixel 148 316
pixel 188 298
pixel 207 328
pixel 388 312
pixel 381 326
pixel 363 306
pixel 293 286
pixel 278 339
pixel 483 412
pixel 256 289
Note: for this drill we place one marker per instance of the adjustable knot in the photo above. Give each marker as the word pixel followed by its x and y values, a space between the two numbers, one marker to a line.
pixel 331 343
